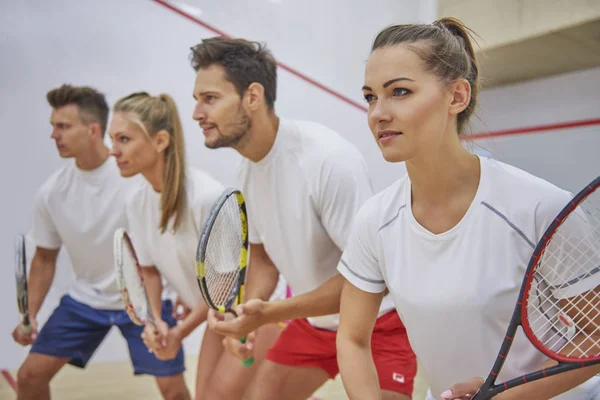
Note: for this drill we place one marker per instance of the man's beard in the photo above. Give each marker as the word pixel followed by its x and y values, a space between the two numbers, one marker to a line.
pixel 233 132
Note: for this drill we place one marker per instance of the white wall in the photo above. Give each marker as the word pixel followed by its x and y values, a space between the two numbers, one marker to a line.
pixel 566 157
pixel 125 46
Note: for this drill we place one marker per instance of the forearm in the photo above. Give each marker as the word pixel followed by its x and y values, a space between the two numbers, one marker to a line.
pixel 41 276
pixel 154 289
pixel 261 281
pixel 324 300
pixel 552 386
pixel 193 320
pixel 357 370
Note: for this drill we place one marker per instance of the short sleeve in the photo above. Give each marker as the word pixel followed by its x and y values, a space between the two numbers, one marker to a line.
pixel 344 188
pixel 570 263
pixel 136 232
pixel 43 231
pixel 359 263
pixel 208 191
pixel 242 182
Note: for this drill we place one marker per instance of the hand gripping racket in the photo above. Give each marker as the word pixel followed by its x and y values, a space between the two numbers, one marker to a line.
pixel 559 302
pixel 130 281
pixel 21 280
pixel 222 256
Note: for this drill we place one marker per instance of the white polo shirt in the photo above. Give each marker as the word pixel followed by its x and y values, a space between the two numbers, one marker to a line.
pixel 80 210
pixel 301 199
pixel 456 291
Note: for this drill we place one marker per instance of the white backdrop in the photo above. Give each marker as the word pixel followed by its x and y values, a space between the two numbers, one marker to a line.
pixel 125 46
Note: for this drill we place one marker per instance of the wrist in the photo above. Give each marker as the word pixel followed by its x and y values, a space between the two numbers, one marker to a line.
pixel 274 312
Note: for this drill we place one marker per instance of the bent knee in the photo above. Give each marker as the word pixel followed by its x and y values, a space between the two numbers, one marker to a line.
pixel 29 375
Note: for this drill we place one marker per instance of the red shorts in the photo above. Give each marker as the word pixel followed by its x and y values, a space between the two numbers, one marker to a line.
pixel 301 344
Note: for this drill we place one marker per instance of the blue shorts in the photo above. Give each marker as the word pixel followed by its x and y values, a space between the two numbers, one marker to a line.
pixel 75 330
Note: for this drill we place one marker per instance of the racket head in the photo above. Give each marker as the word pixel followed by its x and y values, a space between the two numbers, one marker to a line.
pixel 21 281
pixel 222 254
pixel 566 261
pixel 130 279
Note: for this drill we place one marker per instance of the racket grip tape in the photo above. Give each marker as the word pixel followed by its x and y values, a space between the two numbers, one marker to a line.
pixel 249 361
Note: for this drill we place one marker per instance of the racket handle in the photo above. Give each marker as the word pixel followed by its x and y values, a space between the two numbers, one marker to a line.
pixel 249 361
pixel 26 329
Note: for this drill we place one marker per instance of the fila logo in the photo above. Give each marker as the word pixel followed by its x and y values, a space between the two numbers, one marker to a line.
pixel 398 377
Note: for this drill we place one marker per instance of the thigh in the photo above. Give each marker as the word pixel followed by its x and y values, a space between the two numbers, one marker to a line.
pixel 73 331
pixel 394 359
pixel 229 380
pixel 40 367
pixel 143 361
pixel 276 381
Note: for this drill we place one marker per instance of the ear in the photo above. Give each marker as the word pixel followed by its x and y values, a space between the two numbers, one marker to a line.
pixel 95 130
pixel 161 141
pixel 461 96
pixel 254 96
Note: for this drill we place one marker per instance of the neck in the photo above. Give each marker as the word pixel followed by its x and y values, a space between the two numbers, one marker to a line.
pixel 447 171
pixel 257 143
pixel 92 157
pixel 154 175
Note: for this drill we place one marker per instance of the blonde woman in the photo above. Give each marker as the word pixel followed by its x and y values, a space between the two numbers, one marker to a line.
pixel 165 216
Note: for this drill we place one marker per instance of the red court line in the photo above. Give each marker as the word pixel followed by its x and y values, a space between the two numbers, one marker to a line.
pixel 475 136
pixel 9 378
pixel 535 129
pixel 281 65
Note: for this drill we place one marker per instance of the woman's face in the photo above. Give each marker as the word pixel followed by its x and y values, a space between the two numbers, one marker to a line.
pixel 409 108
pixel 132 148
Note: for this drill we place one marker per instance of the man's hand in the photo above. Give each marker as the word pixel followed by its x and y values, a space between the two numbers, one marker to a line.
pixel 243 351
pixel 25 339
pixel 250 316
pixel 464 390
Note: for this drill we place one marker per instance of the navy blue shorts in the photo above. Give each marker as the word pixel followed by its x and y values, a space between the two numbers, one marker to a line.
pixel 75 330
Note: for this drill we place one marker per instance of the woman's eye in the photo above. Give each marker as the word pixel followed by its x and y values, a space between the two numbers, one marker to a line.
pixel 369 98
pixel 401 92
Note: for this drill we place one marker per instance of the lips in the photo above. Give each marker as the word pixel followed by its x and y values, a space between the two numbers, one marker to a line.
pixel 207 128
pixel 386 134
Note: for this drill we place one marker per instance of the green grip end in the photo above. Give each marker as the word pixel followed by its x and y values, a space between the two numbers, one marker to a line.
pixel 250 361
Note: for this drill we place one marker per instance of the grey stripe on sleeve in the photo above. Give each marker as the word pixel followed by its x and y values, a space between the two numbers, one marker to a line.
pixel 360 276
pixel 576 279
pixel 520 232
pixel 393 219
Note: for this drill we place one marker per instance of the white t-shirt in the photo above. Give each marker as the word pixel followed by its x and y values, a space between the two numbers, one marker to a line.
pixel 456 291
pixel 81 210
pixel 301 199
pixel 173 253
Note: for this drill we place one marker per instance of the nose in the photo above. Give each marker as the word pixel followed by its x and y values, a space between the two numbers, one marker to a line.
pixel 113 151
pixel 54 134
pixel 379 112
pixel 199 113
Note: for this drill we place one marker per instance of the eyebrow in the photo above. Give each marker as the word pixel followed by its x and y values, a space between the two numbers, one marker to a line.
pixel 388 83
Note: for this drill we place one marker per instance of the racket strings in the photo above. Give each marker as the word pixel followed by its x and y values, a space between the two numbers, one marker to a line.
pixel 223 254
pixel 134 286
pixel 563 298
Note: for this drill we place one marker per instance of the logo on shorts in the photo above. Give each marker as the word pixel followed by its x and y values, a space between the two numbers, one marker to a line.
pixel 398 377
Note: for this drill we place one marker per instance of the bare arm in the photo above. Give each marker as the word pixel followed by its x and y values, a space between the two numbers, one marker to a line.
pixel 262 274
pixel 41 275
pixel 324 300
pixel 358 314
pixel 154 288
pixel 192 321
